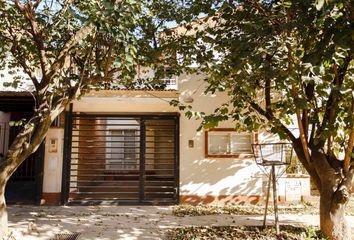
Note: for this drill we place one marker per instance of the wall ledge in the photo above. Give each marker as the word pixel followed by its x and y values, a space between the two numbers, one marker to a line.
pixel 221 199
pixel 50 198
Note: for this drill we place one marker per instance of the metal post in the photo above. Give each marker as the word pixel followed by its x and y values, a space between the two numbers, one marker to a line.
pixel 65 182
pixel 39 168
pixel 176 159
pixel 275 201
pixel 267 201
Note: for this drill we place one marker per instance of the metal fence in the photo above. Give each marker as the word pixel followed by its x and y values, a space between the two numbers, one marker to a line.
pixel 119 159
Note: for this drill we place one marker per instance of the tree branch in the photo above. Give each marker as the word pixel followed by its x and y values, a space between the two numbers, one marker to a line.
pixel 275 122
pixel 36 4
pixel 331 115
pixel 21 60
pixel 83 79
pixel 29 14
pixel 267 97
pixel 312 135
pixel 294 93
pixel 345 188
pixel 309 93
pixel 264 12
pixel 60 16
pixel 303 139
pixel 109 59
pixel 333 98
pixel 19 5
pixel 302 135
pixel 305 121
pixel 60 59
pixel 309 166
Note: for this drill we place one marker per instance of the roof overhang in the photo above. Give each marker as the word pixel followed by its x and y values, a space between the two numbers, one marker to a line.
pixel 134 93
pixel 16 102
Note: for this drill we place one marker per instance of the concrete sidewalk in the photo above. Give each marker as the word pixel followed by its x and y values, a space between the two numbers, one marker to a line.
pixel 123 222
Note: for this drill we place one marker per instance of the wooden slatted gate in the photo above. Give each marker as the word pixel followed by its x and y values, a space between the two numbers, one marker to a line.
pixel 116 159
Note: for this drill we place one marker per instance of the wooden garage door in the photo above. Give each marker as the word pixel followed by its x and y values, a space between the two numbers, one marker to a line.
pixel 115 159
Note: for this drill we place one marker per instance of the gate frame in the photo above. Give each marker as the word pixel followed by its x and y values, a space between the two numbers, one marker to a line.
pixel 65 187
pixel 39 172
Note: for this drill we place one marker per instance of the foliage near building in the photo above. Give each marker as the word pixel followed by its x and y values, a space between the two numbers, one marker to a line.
pixel 283 63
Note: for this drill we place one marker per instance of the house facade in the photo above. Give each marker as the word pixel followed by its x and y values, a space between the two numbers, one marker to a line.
pixel 133 147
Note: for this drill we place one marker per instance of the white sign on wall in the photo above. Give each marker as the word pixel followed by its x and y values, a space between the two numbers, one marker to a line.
pixel 292 190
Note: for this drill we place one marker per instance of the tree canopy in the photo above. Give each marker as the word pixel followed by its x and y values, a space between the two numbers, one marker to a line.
pixel 278 61
pixel 80 44
pixel 59 49
pixel 282 63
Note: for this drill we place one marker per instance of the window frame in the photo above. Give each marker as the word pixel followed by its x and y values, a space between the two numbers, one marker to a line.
pixel 254 140
pixel 109 149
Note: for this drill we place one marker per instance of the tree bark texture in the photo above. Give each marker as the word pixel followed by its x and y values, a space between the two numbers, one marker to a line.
pixel 18 152
pixel 26 142
pixel 3 211
pixel 332 216
pixel 334 193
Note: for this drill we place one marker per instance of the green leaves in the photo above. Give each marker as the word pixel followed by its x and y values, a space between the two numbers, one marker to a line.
pixel 275 58
pixel 301 102
pixel 18 123
pixel 107 55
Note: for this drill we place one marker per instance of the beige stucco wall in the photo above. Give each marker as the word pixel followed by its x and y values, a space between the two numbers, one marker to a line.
pixel 200 177
pixel 53 161
pixel 126 102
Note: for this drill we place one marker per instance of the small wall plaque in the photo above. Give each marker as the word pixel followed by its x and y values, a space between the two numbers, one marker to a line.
pixel 53 145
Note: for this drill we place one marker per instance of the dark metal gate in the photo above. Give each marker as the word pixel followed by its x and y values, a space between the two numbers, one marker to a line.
pixel 25 184
pixel 116 159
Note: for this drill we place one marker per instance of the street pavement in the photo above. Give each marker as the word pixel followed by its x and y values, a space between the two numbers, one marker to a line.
pixel 124 222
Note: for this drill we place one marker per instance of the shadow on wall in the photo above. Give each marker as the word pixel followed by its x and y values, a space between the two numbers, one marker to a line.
pixel 221 181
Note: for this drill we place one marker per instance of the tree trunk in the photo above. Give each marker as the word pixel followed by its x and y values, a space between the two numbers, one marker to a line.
pixel 25 143
pixel 334 194
pixel 3 212
pixel 332 215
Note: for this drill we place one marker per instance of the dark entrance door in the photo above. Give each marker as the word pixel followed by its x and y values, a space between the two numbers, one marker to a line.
pixel 25 185
pixel 119 159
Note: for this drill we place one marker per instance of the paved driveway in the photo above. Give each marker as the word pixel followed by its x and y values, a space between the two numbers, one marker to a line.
pixel 122 222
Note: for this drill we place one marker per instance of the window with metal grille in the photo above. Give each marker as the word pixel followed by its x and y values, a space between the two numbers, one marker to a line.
pixel 123 147
pixel 222 142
